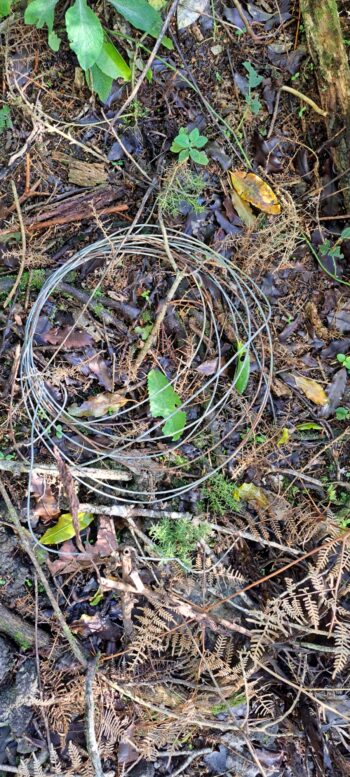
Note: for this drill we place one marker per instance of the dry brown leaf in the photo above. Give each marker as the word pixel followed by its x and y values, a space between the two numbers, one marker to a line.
pixel 253 189
pixel 70 338
pixel 312 390
pixel 46 505
pixel 98 406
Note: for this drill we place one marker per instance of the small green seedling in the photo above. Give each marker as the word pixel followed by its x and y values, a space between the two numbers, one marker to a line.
pixel 186 145
pixel 342 414
pixel 344 360
pixel 254 80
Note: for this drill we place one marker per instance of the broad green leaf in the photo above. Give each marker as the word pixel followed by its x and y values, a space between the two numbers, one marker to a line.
pixel 85 33
pixel 64 529
pixel 201 141
pixel 345 235
pixel 164 402
pixel 140 14
pixel 174 426
pixel 99 82
pixel 112 63
pixel 241 376
pixel 183 155
pixel 5 8
pixel 41 12
pixel 199 157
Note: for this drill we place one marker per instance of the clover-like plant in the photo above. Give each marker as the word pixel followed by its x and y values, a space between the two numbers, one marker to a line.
pixel 186 145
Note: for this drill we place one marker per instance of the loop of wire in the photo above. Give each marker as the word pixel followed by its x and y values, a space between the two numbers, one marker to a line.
pixel 131 436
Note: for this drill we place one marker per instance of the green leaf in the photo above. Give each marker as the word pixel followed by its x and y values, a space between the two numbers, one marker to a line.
pixel 164 402
pixel 85 33
pixel 201 141
pixel 194 135
pixel 254 105
pixel 112 63
pixel 345 235
pixel 99 82
pixel 64 529
pixel 5 8
pixel 253 77
pixel 241 376
pixel 183 155
pixel 140 14
pixel 198 156
pixel 5 119
pixel 308 425
pixel 41 12
pixel 342 413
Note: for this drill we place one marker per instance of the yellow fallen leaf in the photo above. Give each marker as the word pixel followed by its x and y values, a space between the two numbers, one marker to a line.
pixel 243 209
pixel 283 439
pixel 312 390
pixel 251 493
pixel 253 189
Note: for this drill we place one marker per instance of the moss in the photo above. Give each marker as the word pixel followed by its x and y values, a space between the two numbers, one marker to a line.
pixel 21 640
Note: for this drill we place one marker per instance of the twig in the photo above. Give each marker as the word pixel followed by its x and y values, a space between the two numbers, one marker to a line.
pixel 124 148
pixel 24 247
pixel 157 324
pixel 189 759
pixel 91 740
pixel 149 62
pixel 18 468
pixel 129 511
pixel 304 97
pixel 27 547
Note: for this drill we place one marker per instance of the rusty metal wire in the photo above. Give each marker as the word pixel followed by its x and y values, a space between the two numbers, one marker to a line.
pixel 219 421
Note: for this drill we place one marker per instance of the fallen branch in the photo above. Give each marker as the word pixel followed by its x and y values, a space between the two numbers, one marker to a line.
pixel 18 468
pixel 91 740
pixel 24 247
pixel 22 632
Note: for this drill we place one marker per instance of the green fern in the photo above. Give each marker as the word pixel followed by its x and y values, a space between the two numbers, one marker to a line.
pixel 178 539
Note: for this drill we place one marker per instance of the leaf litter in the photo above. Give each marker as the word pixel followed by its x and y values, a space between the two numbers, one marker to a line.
pixel 286 491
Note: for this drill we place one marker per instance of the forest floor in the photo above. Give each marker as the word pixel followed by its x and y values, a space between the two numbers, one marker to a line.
pixel 174 415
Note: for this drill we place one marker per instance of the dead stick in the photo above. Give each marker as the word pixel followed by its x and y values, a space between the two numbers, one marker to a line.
pixel 91 740
pixel 18 468
pixel 24 247
pixel 25 540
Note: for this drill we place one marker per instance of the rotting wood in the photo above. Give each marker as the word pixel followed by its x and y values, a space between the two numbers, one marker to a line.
pixel 22 632
pixel 328 51
pixel 82 173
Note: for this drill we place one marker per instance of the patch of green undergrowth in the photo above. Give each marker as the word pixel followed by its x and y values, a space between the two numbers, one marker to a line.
pixel 218 493
pixel 178 538
pixel 181 191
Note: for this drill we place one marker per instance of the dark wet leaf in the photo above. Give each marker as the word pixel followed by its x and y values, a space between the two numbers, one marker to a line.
pixel 335 393
pixel 89 625
pixel 269 95
pixel 216 761
pixel 93 364
pixel 71 339
pixel 286 60
pixel 226 225
pixel 340 319
pixel 216 152
pixel 209 367
pixel 242 83
pixel 232 16
pixel 335 347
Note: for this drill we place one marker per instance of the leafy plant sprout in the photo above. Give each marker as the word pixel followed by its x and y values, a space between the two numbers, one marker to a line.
pixel 344 360
pixel 186 145
pixel 97 55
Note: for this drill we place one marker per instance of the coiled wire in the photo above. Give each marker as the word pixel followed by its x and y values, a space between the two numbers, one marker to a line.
pixel 131 436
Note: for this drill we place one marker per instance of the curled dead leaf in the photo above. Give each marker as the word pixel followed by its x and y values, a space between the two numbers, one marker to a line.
pixel 253 189
pixel 70 338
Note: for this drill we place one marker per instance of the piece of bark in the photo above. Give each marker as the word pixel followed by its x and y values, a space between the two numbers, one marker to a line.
pixel 82 173
pixel 328 51
pixel 22 632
